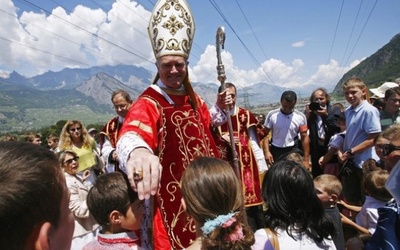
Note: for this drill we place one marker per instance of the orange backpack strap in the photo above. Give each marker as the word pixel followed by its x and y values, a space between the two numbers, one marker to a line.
pixel 273 238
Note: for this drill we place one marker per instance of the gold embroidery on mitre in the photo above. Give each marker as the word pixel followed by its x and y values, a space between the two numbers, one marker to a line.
pixel 171 28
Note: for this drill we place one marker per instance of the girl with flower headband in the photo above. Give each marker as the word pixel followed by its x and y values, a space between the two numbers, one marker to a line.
pixel 212 196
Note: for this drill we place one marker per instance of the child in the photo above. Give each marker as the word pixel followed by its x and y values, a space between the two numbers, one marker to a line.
pixel 377 196
pixel 52 142
pixel 329 162
pixel 33 137
pixel 362 126
pixel 116 207
pixel 212 196
pixel 329 188
pixel 34 211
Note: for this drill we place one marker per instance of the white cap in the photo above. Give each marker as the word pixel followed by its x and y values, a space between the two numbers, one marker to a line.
pixel 380 91
pixel 92 130
pixel 171 28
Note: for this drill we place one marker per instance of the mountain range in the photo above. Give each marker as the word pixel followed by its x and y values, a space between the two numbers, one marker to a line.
pixel 84 94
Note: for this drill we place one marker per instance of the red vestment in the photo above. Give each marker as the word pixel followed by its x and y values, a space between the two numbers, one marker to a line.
pixel 177 134
pixel 242 120
pixel 110 131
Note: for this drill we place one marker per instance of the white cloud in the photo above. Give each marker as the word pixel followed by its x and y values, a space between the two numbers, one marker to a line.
pixel 36 42
pixel 328 75
pixel 89 37
pixel 272 71
pixel 298 44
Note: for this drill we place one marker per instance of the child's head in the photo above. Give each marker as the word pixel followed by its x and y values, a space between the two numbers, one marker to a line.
pixel 52 141
pixel 374 185
pixel 354 90
pixel 114 205
pixel 212 195
pixel 34 199
pixel 8 137
pixel 295 156
pixel 328 188
pixel 370 165
pixel 34 138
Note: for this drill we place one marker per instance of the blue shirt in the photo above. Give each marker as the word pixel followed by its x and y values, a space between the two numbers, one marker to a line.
pixel 360 122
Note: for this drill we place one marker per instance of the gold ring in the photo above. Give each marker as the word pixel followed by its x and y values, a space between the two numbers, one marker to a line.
pixel 138 175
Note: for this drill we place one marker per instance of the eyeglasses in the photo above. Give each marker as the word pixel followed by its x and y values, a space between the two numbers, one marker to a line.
pixel 76 158
pixel 75 129
pixel 122 107
pixel 394 100
pixel 389 148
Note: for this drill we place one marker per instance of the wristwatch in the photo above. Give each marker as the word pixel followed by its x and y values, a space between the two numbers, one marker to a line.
pixel 350 152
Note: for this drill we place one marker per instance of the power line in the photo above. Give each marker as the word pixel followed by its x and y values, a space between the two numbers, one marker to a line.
pixel 254 34
pixel 362 31
pixel 215 5
pixel 336 29
pixel 351 34
pixel 44 51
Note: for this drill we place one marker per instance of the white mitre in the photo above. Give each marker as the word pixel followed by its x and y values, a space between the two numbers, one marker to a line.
pixel 171 28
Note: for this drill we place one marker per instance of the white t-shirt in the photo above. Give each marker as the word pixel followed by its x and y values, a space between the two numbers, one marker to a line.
pixel 288 243
pixel 285 127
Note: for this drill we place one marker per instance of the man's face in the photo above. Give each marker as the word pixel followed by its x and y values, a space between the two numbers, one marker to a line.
pixel 392 103
pixel 393 157
pixel 121 106
pixel 378 146
pixel 320 97
pixel 231 91
pixel 172 70
pixel 287 107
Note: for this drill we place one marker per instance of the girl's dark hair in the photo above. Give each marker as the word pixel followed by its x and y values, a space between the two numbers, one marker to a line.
pixel 293 203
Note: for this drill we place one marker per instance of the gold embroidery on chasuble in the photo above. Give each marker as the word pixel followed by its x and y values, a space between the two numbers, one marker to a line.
pixel 184 138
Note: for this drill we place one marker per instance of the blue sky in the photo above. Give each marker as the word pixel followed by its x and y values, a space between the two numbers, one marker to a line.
pixel 279 42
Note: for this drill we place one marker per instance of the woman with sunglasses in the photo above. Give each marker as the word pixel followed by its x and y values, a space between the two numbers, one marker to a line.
pixel 74 136
pixel 85 226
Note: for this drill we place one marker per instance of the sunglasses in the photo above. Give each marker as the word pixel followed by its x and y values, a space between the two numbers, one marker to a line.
pixel 76 158
pixel 75 129
pixel 389 148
